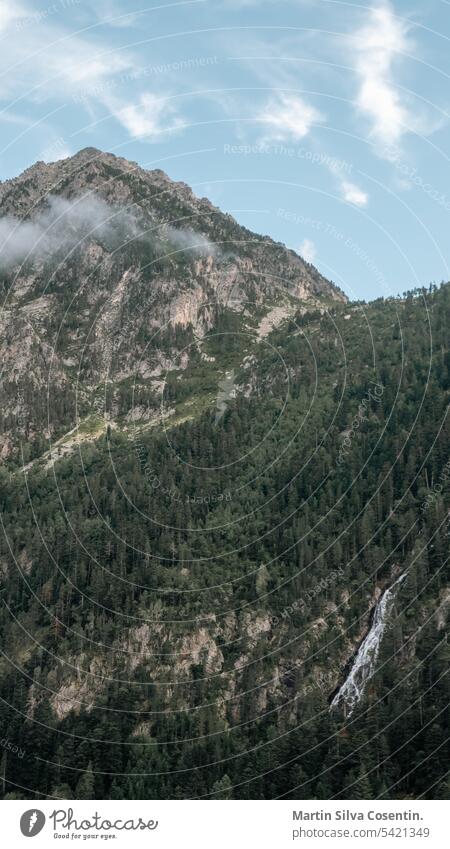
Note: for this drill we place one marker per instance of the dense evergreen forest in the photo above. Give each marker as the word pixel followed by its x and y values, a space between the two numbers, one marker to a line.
pixel 180 602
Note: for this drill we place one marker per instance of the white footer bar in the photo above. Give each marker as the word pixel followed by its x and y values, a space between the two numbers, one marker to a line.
pixel 226 824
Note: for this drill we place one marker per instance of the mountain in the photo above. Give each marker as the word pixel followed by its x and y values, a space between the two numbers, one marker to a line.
pixel 231 579
pixel 109 272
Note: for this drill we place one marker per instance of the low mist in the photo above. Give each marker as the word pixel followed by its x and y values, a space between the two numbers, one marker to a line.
pixel 65 223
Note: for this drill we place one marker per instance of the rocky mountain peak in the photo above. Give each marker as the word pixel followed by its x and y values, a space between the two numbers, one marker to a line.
pixel 107 268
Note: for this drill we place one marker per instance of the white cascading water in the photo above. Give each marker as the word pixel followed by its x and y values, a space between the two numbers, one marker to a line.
pixel 365 661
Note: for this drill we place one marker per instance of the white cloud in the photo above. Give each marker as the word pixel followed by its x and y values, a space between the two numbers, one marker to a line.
pixel 82 68
pixel 61 225
pixel 353 194
pixel 288 117
pixel 8 12
pixel 49 60
pixel 189 240
pixel 244 4
pixel 148 118
pixel 307 250
pixel 349 190
pixel 55 151
pixel 378 44
pixel 111 13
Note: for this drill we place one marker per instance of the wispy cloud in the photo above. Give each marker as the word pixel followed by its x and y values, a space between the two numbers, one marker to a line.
pixel 353 194
pixel 349 190
pixel 49 60
pixel 55 150
pixel 288 118
pixel 9 12
pixel 189 240
pixel 60 226
pixel 378 45
pixel 112 13
pixel 308 250
pixel 243 4
pixel 64 223
pixel 146 119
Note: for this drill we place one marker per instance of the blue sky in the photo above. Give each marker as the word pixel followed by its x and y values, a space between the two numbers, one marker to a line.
pixel 321 123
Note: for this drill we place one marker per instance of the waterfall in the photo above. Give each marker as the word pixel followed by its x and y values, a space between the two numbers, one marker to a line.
pixel 365 661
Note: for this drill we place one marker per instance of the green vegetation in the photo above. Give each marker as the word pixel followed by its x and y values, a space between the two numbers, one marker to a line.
pixel 161 628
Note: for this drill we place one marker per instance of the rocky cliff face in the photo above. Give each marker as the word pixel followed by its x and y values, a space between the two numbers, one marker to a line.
pixel 108 272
